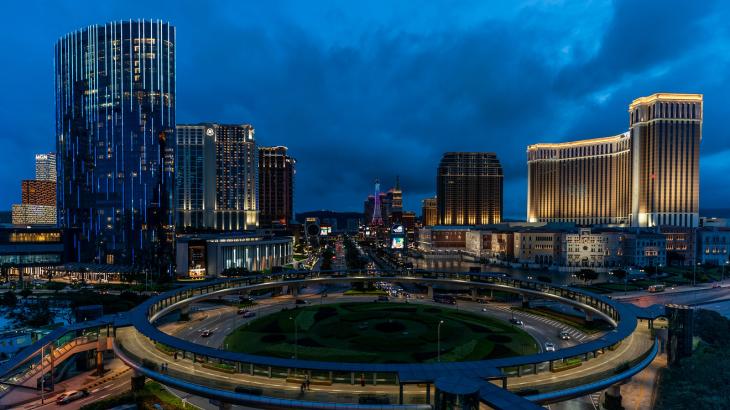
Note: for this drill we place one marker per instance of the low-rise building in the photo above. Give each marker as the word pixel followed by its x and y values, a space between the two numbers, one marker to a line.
pixel 713 245
pixel 537 248
pixel 584 249
pixel 644 248
pixel 681 245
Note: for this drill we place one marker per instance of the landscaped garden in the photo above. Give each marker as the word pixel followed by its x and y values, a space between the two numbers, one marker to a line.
pixel 380 332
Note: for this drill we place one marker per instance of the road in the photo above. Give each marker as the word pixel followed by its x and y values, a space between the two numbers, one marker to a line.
pixel 681 295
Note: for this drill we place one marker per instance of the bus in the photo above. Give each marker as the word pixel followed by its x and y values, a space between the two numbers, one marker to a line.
pixel 656 288
pixel 446 299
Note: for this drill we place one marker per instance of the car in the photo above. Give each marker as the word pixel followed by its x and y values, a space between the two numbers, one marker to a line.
pixel 249 314
pixel 485 310
pixel 716 285
pixel 564 335
pixel 549 346
pixel 242 311
pixel 301 302
pixel 206 333
pixel 382 298
pixel 516 322
pixel 71 395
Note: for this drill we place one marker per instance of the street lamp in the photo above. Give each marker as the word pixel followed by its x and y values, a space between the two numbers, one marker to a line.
pixel 723 271
pixel 296 337
pixel 694 273
pixel 438 339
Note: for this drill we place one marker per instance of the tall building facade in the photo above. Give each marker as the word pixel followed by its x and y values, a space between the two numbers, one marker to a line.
pixel 646 177
pixel 469 189
pixel 216 177
pixel 115 133
pixel 429 212
pixel 666 131
pixel 276 186
pixel 45 167
pixel 587 182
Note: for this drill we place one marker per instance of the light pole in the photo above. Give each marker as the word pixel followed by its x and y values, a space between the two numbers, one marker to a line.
pixel 694 273
pixel 438 339
pixel 723 271
pixel 296 337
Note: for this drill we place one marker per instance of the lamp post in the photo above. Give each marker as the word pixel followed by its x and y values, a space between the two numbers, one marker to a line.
pixel 438 339
pixel 296 337
pixel 694 273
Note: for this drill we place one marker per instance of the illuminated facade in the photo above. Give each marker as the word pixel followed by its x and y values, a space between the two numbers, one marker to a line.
pixel 115 123
pixel 216 177
pixel 30 214
pixel 646 177
pixel 666 130
pixel 38 192
pixel 469 189
pixel 429 212
pixel 586 182
pixel 45 167
pixel 276 185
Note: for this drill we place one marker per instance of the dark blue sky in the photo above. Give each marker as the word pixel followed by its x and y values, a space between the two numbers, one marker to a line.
pixel 375 89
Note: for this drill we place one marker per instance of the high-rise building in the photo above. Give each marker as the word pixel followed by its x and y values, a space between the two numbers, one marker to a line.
pixel 395 203
pixel 469 189
pixel 276 186
pixel 216 177
pixel 586 182
pixel 115 140
pixel 36 192
pixel 666 130
pixel 646 177
pixel 429 212
pixel 45 167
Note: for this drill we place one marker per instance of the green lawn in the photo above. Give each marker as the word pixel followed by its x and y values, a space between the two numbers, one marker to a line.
pixel 378 332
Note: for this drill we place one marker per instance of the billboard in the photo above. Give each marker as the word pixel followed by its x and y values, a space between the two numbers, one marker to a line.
pixel 397 237
pixel 398 243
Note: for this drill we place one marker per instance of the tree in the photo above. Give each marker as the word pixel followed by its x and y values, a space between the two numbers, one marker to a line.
pixel 621 275
pixel 25 293
pixel 9 299
pixel 587 275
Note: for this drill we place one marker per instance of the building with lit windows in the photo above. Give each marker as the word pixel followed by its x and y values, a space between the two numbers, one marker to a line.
pixel 429 212
pixel 30 251
pixel 45 167
pixel 276 186
pixel 469 189
pixel 115 140
pixel 713 246
pixel 646 177
pixel 587 182
pixel 666 131
pixel 38 196
pixel 216 178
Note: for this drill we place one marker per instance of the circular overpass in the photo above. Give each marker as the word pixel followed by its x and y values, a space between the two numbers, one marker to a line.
pixel 258 380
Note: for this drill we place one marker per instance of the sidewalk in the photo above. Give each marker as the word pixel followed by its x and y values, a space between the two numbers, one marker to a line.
pixel 640 392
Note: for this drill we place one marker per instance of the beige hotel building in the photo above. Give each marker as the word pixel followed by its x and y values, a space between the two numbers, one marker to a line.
pixel 648 176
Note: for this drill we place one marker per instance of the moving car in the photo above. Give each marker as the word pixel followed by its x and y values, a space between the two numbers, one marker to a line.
pixel 249 314
pixel 301 302
pixel 206 333
pixel 71 395
pixel 516 322
pixel 564 335
pixel 549 346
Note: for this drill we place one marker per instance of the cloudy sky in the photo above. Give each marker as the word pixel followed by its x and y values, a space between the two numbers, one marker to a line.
pixel 359 90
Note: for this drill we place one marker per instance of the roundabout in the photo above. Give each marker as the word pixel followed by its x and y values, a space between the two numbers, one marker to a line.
pixel 380 332
pixel 274 380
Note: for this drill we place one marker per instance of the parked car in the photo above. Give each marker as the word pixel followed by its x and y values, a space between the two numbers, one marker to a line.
pixel 71 395
pixel 249 314
pixel 301 302
pixel 549 346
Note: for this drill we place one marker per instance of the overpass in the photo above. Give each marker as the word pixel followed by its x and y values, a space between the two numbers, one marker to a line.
pixel 237 378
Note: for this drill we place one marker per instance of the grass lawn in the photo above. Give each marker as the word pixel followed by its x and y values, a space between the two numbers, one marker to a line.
pixel 378 332
pixel 152 393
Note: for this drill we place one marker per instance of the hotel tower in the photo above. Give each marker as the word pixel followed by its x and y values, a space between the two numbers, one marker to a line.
pixel 648 176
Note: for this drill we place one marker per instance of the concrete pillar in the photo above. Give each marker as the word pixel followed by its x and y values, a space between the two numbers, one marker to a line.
pixel 612 398
pixel 137 381
pixel 400 393
pixel 430 292
pixel 428 393
pixel 294 291
pixel 589 316
pixel 224 406
pixel 185 313
pixel 474 294
pixel 525 301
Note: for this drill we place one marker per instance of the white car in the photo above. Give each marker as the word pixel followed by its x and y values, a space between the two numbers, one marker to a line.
pixel 549 346
pixel 70 396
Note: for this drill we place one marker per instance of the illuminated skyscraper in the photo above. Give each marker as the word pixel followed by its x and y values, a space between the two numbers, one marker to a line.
pixel 377 218
pixel 276 185
pixel 429 212
pixel 216 177
pixel 666 131
pixel 115 129
pixel 646 177
pixel 586 182
pixel 38 196
pixel 469 189
pixel 45 167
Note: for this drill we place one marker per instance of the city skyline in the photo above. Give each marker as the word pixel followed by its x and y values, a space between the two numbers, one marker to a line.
pixel 402 142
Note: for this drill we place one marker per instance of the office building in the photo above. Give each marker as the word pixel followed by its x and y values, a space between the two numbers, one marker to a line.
pixel 45 167
pixel 713 246
pixel 276 186
pixel 115 141
pixel 216 177
pixel 666 130
pixel 587 182
pixel 469 189
pixel 429 212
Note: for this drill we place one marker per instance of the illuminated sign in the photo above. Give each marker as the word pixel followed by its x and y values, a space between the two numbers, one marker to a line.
pixel 398 243
pixel 397 229
pixel 325 230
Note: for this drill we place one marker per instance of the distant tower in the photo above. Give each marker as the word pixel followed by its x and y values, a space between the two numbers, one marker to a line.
pixel 377 215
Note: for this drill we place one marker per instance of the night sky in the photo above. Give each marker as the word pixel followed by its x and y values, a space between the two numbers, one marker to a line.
pixel 359 90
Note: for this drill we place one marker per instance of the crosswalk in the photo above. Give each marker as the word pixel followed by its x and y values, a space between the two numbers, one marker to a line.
pixel 575 334
pixel 596 400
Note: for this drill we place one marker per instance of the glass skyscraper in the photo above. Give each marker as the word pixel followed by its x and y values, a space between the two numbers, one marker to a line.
pixel 115 133
pixel 469 189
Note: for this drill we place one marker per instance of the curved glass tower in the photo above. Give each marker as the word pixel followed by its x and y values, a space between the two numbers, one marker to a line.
pixel 115 139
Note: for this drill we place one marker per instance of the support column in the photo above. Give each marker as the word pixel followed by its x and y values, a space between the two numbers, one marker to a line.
pixel 137 381
pixel 525 301
pixel 185 313
pixel 589 316
pixel 428 393
pixel 400 393
pixel 612 398
pixel 430 292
